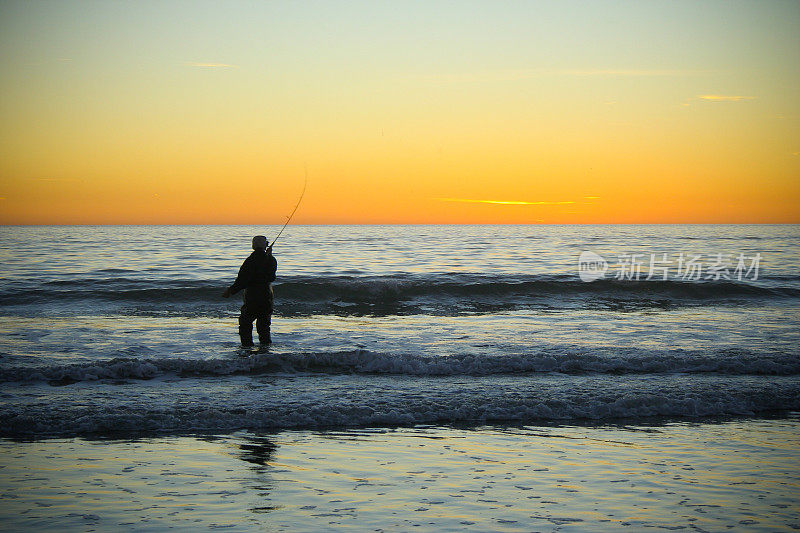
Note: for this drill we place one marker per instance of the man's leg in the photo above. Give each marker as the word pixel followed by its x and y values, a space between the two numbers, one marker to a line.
pixel 246 326
pixel 262 326
pixel 265 319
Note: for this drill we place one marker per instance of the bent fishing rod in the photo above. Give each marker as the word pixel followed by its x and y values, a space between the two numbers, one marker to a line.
pixel 289 218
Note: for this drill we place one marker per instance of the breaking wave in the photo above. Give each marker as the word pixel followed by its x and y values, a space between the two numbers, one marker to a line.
pixel 402 293
pixel 367 362
pixel 396 403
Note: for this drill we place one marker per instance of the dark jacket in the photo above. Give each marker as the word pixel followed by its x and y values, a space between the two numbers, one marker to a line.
pixel 255 275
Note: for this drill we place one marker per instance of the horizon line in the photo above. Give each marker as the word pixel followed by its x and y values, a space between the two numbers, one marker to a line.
pixel 278 224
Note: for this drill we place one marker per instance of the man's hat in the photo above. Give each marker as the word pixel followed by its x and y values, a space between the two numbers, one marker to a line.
pixel 259 241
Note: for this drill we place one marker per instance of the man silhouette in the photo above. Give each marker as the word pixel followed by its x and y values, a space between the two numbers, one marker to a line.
pixel 255 276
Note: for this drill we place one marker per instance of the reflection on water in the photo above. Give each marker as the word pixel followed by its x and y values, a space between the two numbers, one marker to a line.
pixel 258 452
pixel 574 478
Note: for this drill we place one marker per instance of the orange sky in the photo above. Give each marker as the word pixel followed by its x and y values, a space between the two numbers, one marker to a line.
pixel 478 112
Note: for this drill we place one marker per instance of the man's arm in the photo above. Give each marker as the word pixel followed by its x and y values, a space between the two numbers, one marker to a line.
pixel 273 268
pixel 242 279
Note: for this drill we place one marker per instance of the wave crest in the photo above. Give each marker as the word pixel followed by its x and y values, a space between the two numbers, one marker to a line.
pixel 402 293
pixel 366 362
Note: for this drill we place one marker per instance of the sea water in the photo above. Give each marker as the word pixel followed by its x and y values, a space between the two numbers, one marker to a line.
pixel 737 475
pixel 109 329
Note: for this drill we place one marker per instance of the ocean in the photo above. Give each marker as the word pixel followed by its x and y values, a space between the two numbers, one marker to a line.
pixel 122 328
pixel 120 333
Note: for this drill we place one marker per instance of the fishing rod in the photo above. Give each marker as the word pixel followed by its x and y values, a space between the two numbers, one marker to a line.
pixel 289 218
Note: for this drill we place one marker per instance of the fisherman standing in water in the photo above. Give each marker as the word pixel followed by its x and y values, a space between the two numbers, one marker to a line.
pixel 255 277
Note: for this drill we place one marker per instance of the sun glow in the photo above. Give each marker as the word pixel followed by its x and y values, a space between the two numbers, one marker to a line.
pixel 157 113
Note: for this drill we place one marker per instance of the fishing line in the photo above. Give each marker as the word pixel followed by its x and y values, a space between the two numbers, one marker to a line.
pixel 305 183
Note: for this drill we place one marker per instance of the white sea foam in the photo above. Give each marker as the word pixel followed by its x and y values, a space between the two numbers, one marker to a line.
pixel 367 362
pixel 348 401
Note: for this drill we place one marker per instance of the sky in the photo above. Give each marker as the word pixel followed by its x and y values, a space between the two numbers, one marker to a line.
pixel 527 112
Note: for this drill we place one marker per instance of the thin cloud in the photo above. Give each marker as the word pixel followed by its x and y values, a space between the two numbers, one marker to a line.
pixel 211 65
pixel 500 202
pixel 592 197
pixel 724 97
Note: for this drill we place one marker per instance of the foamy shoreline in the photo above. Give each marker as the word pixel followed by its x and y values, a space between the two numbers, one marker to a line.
pixel 735 475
